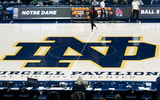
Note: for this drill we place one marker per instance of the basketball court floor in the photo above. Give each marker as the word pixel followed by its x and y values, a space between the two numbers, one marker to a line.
pixel 65 51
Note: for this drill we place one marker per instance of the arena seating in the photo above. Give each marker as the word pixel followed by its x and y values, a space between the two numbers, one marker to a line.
pixel 95 90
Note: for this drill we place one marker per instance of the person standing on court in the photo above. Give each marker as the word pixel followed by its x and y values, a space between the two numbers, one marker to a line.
pixel 102 6
pixel 135 10
pixel 93 14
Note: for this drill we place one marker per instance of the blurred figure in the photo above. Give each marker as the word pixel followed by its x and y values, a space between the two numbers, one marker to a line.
pixel 88 2
pixel 79 90
pixel 135 10
pixel 35 2
pixel 72 2
pixel 79 86
pixel 115 2
pixel 83 2
pixel 40 2
pixel 95 3
pixel 102 98
pixel 19 2
pixel 93 14
pixel 124 2
pixel 102 6
pixel 27 2
pixel 155 2
pixel 158 87
pixel 117 97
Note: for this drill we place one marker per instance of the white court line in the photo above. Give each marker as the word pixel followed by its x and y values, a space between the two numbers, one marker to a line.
pixel 91 35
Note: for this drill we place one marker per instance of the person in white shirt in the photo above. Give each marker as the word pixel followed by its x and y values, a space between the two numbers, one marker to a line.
pixel 135 9
pixel 95 3
pixel 102 6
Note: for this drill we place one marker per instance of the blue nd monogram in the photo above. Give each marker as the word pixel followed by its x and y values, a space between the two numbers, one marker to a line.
pixel 56 56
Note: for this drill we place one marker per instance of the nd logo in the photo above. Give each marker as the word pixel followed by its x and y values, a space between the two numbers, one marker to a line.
pixel 108 52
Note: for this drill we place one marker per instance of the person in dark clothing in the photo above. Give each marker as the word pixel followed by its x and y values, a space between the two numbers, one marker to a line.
pixel 115 2
pixel 93 15
pixel 72 2
pixel 26 2
pixel 158 87
pixel 124 2
pixel 79 86
pixel 82 2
